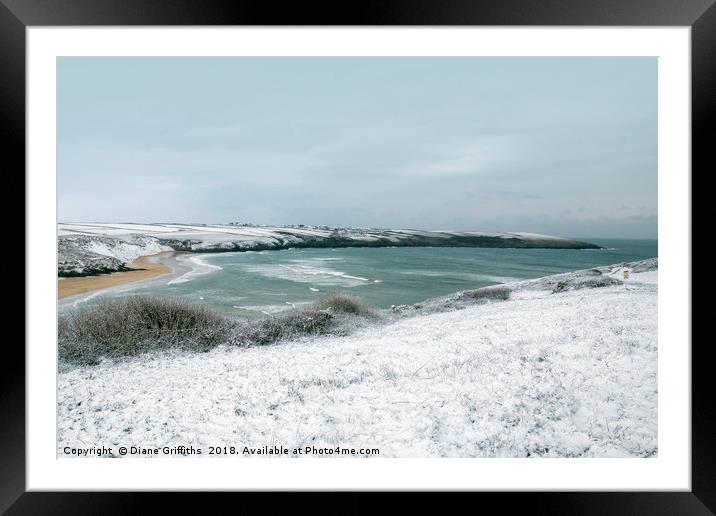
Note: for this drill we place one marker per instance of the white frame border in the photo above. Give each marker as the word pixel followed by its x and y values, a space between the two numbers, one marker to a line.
pixel 671 470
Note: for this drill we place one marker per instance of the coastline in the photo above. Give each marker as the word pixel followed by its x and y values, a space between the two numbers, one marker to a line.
pixel 145 267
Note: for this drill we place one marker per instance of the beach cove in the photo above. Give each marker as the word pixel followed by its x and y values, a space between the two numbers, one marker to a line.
pixel 144 267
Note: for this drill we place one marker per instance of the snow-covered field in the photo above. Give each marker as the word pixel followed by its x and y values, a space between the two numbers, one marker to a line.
pixel 88 248
pixel 558 370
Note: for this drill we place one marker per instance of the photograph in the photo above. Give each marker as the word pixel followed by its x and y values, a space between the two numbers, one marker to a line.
pixel 357 257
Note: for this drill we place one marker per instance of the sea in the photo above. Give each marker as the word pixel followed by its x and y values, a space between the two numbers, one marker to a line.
pixel 256 284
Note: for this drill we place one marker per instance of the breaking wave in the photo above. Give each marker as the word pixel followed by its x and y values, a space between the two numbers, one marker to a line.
pixel 199 267
pixel 315 272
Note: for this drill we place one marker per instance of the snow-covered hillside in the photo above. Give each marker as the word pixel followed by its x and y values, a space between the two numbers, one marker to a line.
pixel 96 248
pixel 566 367
pixel 80 255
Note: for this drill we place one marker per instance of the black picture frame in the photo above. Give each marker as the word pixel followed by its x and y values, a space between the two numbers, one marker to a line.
pixel 17 15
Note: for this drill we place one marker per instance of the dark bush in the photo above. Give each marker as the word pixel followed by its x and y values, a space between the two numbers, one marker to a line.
pixel 488 294
pixel 290 324
pixel 582 282
pixel 134 325
pixel 344 304
pixel 645 265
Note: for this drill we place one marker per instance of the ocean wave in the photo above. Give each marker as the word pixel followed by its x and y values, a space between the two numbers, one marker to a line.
pixel 436 274
pixel 271 309
pixel 199 267
pixel 314 260
pixel 472 276
pixel 86 298
pixel 316 273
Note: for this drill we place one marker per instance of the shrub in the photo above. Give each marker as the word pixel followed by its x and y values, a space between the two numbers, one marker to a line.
pixel 134 325
pixel 344 304
pixel 645 265
pixel 289 324
pixel 488 294
pixel 589 282
pixel 329 315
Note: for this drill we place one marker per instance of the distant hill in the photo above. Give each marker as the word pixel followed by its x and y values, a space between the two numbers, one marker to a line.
pixel 97 248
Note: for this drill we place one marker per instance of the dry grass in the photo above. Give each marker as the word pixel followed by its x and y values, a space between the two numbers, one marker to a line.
pixel 497 293
pixel 286 325
pixel 590 282
pixel 344 304
pixel 134 325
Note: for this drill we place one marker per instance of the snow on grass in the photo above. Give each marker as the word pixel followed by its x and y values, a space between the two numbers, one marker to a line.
pixel 230 230
pixel 126 251
pixel 105 229
pixel 134 228
pixel 306 232
pixel 567 374
pixel 535 236
pixel 210 234
pixel 421 232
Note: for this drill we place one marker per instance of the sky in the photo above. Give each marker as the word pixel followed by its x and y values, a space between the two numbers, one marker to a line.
pixel 560 146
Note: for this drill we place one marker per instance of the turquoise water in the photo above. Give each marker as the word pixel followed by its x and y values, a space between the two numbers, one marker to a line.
pixel 252 283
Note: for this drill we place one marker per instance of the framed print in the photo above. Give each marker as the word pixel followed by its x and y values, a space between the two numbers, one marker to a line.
pixel 436 249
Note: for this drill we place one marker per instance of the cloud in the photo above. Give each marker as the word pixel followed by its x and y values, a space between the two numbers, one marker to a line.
pixel 555 146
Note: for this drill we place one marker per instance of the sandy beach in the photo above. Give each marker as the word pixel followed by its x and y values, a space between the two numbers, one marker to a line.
pixel 146 267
